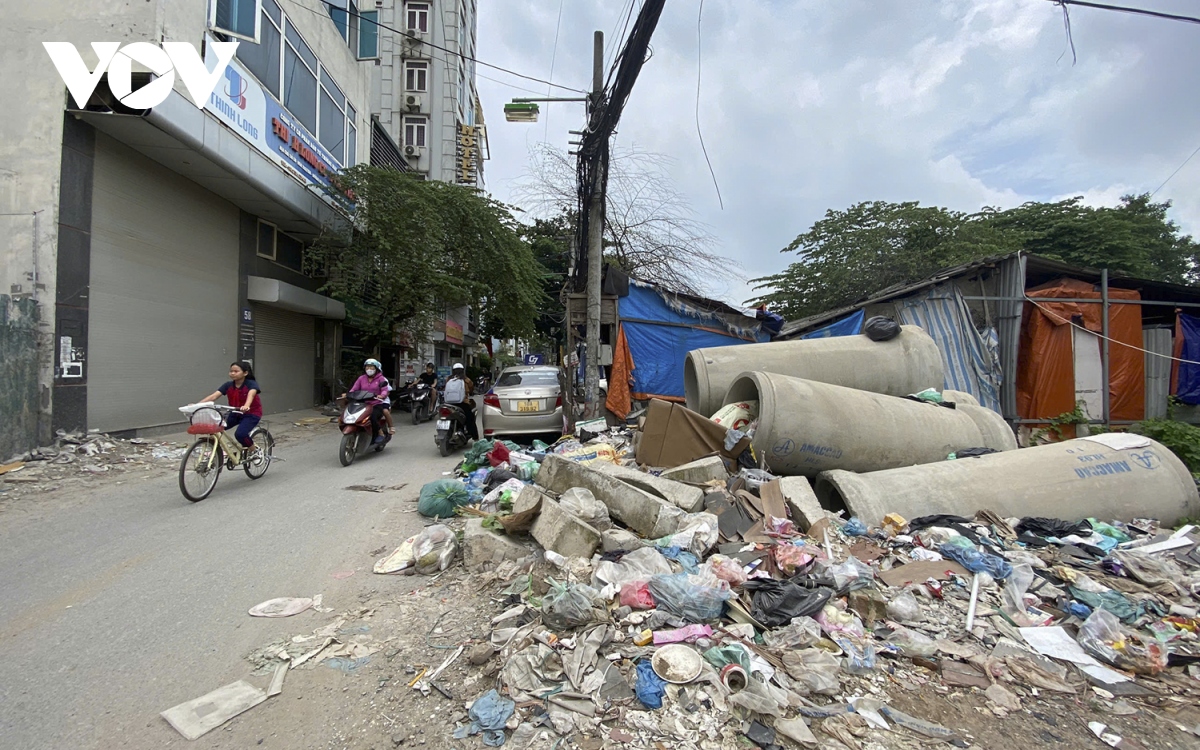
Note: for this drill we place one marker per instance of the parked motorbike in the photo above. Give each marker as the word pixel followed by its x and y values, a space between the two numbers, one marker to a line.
pixel 451 429
pixel 402 397
pixel 423 403
pixel 355 424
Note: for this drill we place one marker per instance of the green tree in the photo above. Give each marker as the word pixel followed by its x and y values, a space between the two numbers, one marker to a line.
pixel 550 242
pixel 852 254
pixel 420 245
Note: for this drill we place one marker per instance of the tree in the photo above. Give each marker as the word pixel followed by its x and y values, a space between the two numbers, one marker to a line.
pixel 650 230
pixel 550 242
pixel 418 246
pixel 852 254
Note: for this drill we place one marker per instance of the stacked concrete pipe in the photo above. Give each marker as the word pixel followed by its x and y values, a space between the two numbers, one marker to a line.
pixel 1081 478
pixel 806 427
pixel 907 364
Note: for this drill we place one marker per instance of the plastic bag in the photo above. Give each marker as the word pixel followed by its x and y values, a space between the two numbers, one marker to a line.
pixel 803 632
pixel 834 621
pixel 570 605
pixel 440 497
pixel 636 595
pixel 854 527
pixel 775 603
pixel 755 478
pixel 675 594
pixel 1015 588
pixel 476 481
pixel 814 669
pixel 640 565
pixel 736 416
pixel 904 607
pixel 1102 636
pixel 929 394
pixel 791 559
pixel 729 653
pixel 650 687
pixel 910 642
pixel 590 453
pixel 433 549
pixel 978 562
pixel 488 714
pixel 728 569
pixel 860 655
pixel 697 536
pixel 852 574
pixel 760 698
pixel 491 501
pixel 582 504
pixel 879 328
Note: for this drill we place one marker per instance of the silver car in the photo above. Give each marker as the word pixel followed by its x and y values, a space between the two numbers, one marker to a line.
pixel 524 401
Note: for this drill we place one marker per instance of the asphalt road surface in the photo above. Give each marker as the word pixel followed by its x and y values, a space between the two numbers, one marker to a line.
pixel 119 605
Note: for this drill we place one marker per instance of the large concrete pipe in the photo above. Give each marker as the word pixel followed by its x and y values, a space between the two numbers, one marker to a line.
pixel 996 432
pixel 806 427
pixel 959 397
pixel 1073 479
pixel 907 364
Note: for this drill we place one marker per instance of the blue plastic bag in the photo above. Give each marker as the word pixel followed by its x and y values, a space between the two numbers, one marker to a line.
pixel 488 714
pixel 977 562
pixel 650 687
pixel 854 527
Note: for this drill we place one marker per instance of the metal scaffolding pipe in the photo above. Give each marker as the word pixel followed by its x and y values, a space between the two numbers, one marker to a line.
pixel 907 364
pixel 1081 478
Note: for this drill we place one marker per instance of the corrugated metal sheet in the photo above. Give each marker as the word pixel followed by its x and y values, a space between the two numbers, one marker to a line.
pixel 1008 314
pixel 969 358
pixel 1158 370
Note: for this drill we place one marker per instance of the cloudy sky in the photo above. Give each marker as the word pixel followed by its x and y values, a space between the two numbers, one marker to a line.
pixel 811 105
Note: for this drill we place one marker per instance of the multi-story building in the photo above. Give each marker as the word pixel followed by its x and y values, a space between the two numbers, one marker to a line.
pixel 148 245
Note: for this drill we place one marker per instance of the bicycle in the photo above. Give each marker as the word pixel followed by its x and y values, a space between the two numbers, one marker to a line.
pixel 214 449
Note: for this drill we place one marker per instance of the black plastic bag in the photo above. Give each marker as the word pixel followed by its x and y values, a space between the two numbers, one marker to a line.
pixel 775 603
pixel 879 328
pixel 1054 527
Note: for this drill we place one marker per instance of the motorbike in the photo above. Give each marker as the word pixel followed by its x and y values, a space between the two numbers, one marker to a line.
pixel 423 405
pixel 402 397
pixel 451 429
pixel 355 424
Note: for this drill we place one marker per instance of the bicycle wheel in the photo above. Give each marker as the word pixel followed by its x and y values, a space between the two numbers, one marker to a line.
pixel 200 469
pixel 265 444
pixel 349 449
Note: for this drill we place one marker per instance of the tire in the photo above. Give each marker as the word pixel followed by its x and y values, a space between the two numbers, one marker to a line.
pixel 349 450
pixel 416 414
pixel 265 443
pixel 444 443
pixel 194 483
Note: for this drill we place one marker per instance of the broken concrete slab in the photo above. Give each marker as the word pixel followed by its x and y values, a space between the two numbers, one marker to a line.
pixel 557 530
pixel 527 499
pixel 201 715
pixel 682 496
pixel 700 471
pixel 615 539
pixel 483 547
pixel 637 509
pixel 802 502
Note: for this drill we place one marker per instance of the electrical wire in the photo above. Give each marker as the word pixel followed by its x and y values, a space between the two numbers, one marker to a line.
pixel 699 60
pixel 1181 166
pixel 1109 338
pixel 1126 9
pixel 553 57
pixel 468 58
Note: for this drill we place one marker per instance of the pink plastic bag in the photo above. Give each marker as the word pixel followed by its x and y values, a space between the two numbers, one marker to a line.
pixel 636 594
pixel 689 634
pixel 728 569
pixel 791 559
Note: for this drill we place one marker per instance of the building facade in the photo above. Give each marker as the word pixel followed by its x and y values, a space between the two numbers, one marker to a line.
pixel 147 247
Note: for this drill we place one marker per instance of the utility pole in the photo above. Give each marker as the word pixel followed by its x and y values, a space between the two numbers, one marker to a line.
pixel 595 245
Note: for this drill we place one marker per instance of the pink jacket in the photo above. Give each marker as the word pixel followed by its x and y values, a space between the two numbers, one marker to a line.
pixel 377 385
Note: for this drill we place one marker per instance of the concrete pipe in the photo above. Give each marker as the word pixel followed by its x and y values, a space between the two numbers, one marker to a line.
pixel 907 364
pixel 1073 479
pixel 996 432
pixel 959 397
pixel 806 427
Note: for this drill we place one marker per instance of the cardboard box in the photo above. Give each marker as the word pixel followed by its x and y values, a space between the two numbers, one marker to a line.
pixel 674 435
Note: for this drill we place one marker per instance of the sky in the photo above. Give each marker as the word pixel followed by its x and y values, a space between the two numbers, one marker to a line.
pixel 807 106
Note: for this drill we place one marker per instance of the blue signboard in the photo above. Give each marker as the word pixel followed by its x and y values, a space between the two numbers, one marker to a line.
pixel 535 359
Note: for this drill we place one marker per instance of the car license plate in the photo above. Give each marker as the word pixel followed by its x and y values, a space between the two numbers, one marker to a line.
pixel 443 424
pixel 527 406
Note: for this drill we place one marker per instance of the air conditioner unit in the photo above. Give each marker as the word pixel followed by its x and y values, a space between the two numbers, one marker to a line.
pixel 412 151
pixel 413 102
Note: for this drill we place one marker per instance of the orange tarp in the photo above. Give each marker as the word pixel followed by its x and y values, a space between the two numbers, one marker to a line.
pixel 1046 363
pixel 620 378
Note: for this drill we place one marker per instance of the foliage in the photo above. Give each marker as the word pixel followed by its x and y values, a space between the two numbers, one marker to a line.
pixel 550 242
pixel 650 230
pixel 852 254
pixel 1182 438
pixel 1058 425
pixel 419 246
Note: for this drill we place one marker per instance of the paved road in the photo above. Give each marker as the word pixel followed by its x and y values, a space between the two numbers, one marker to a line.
pixel 120 607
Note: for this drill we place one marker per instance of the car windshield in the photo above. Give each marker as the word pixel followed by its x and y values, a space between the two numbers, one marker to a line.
pixel 527 377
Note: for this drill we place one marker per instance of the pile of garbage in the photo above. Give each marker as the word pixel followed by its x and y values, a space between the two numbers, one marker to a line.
pixel 712 603
pixel 78 454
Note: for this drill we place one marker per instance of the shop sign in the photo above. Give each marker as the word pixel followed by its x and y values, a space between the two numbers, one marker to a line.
pixel 468 154
pixel 454 332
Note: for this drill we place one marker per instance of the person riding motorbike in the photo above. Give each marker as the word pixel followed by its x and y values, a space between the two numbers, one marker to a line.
pixel 458 391
pixel 373 380
pixel 429 377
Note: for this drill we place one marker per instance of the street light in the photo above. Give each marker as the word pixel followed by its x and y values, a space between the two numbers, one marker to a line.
pixel 517 111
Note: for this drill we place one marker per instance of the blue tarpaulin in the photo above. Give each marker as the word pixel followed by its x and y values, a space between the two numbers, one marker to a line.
pixel 1187 387
pixel 851 325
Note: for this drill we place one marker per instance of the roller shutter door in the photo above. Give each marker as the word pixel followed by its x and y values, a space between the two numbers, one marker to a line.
pixel 285 358
pixel 164 291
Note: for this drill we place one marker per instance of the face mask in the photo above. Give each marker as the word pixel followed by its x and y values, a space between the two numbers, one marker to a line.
pixel 370 372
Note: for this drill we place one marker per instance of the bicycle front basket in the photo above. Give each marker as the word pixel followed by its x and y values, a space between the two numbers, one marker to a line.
pixel 206 422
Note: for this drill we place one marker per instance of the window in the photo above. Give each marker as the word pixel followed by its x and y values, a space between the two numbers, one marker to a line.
pixel 300 80
pixel 416 76
pixel 237 18
pixel 418 17
pixel 341 19
pixel 333 127
pixel 368 35
pixel 290 252
pixel 262 59
pixel 414 131
pixel 266 240
pixel 351 146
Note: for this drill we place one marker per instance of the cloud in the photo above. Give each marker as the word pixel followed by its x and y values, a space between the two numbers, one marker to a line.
pixel 807 107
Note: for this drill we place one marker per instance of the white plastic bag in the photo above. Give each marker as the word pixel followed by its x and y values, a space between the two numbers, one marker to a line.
pixel 434 549
pixel 582 504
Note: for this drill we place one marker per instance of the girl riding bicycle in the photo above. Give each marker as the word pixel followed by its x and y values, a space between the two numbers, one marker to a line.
pixel 242 391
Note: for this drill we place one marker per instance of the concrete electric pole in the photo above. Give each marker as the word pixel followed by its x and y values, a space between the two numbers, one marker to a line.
pixel 595 247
